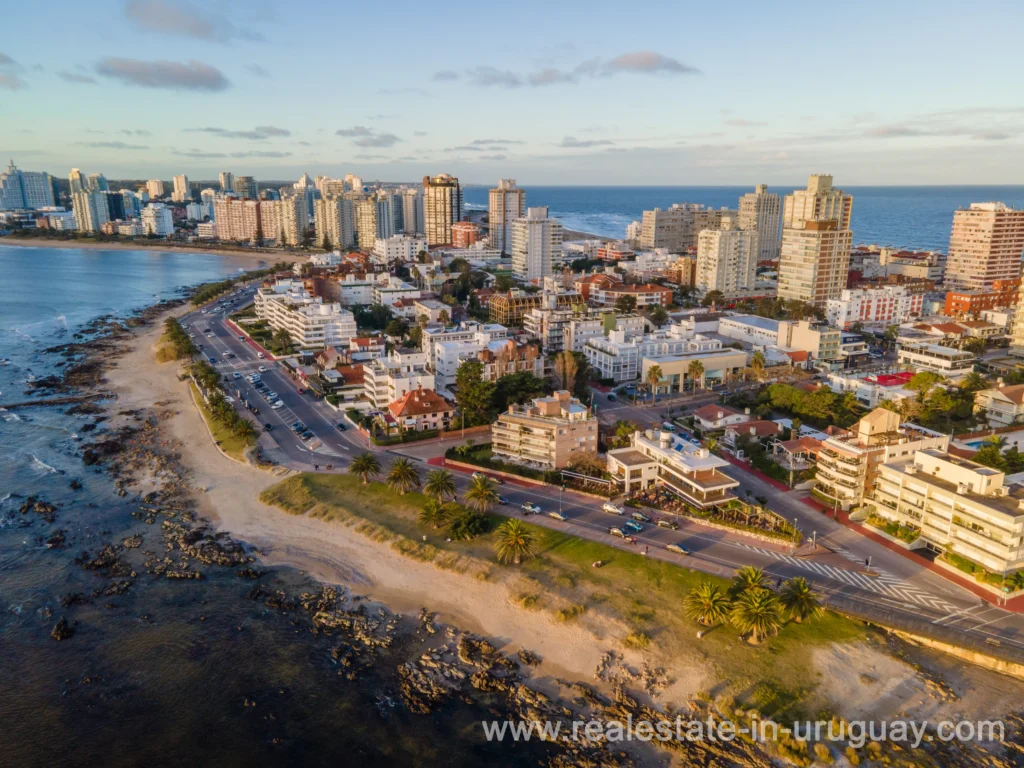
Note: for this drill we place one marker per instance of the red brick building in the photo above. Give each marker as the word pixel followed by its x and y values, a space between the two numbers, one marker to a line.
pixel 971 303
pixel 464 234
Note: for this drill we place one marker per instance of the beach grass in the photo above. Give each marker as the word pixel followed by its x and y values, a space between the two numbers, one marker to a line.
pixel 233 445
pixel 643 594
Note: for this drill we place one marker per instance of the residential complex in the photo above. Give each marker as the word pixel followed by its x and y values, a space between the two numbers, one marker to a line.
pixel 889 304
pixel 676 229
pixel 662 458
pixel 25 190
pixel 90 209
pixel 510 308
pixel 968 304
pixel 545 433
pixel 311 323
pixel 948 361
pixel 816 238
pixel 959 507
pixel 237 219
pixel 760 211
pixel 442 207
pixel 506 204
pixel 849 461
pixel 157 220
pixel 387 379
pixel 536 244
pixel 986 245
pixel 334 222
pixel 465 234
pixel 727 259
pixel 181 192
pixel 246 187
pixel 398 249
pixel 645 295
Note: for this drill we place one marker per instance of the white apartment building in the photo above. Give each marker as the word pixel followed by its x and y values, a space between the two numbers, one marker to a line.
pixel 284 221
pixel 389 290
pixel 398 249
pixel 25 190
pixel 442 207
pixel 466 331
pixel 198 211
pixel 412 211
pixel 727 260
pixel 536 244
pixel 447 355
pixel 90 209
pixel 156 189
pixel 985 245
pixel 814 259
pixel 334 220
pixel 311 323
pixel 236 219
pixel 821 342
pixel 676 229
pixel 622 356
pixel 351 290
pixel 131 228
pixel 479 253
pixel 506 204
pixel 432 309
pixel 761 211
pixel 888 304
pixel 157 220
pixel 933 357
pixel 389 378
pixel 180 193
pixel 207 230
pixel 227 181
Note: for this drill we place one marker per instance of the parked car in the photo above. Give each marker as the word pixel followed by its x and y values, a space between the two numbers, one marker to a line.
pixel 268 427
pixel 277 405
pixel 261 356
pixel 611 509
pixel 307 435
pixel 529 507
pixel 213 361
pixel 558 516
pixel 241 338
pixel 632 526
pixel 236 375
pixel 612 398
pixel 617 532
pixel 672 525
pixel 668 427
pixel 637 515
pixel 503 500
pixel 679 549
pixel 342 427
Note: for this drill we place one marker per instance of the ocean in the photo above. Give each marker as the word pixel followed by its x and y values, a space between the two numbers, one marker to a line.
pixel 905 217
pixel 171 672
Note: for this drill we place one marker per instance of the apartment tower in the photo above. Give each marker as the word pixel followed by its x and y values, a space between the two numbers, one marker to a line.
pixel 727 259
pixel 985 246
pixel 246 187
pixel 180 193
pixel 536 244
pixel 507 203
pixel 815 255
pixel 442 207
pixel 227 181
pixel 761 212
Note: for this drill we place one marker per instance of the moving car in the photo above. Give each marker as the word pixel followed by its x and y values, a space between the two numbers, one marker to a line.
pixel 612 398
pixel 342 427
pixel 502 500
pixel 497 480
pixel 268 427
pixel 262 368
pixel 632 526
pixel 558 516
pixel 213 360
pixel 261 356
pixel 529 507
pixel 241 338
pixel 637 515
pixel 679 549
pixel 617 532
pixel 668 427
pixel 672 525
pixel 236 375
pixel 611 509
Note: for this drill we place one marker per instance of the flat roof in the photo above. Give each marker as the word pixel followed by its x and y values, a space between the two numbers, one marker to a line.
pixel 764 323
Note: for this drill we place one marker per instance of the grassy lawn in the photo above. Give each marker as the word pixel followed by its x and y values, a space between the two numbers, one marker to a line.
pixel 643 593
pixel 229 442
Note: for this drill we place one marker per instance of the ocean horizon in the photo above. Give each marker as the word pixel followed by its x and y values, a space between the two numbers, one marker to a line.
pixel 912 217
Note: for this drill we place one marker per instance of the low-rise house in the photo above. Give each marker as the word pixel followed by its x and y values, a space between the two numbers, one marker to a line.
pixel 760 430
pixel 711 418
pixel 390 378
pixel 938 359
pixel 422 410
pixel 363 348
pixel 432 309
pixel 872 389
pixel 661 458
pixel 546 432
pixel 796 454
pixel 389 289
pixel 1001 405
pixel 979 329
pixel 646 295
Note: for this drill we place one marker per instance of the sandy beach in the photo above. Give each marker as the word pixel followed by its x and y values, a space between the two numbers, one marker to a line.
pixel 271 255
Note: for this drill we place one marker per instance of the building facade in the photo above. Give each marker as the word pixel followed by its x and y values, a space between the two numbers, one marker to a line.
pixel 237 220
pixel 334 223
pixel 25 190
pixel 157 220
pixel 90 209
pixel 727 260
pixel 676 229
pixel 546 433
pixel 442 207
pixel 506 203
pixel 889 304
pixel 536 244
pixel 760 211
pixel 985 245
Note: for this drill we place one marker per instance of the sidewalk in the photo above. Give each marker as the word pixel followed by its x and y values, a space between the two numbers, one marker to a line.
pixel 757 473
pixel 1015 605
pixel 249 340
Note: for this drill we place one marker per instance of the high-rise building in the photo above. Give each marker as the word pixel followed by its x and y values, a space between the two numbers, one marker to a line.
pixel 155 187
pixel 761 211
pixel 237 219
pixel 677 228
pixel 366 222
pixel 90 208
pixel 157 220
pixel 536 243
pixel 815 255
pixel 985 245
pixel 727 259
pixel 246 187
pixel 412 211
pixel 115 206
pixel 207 196
pixel 227 181
pixel 25 189
pixel 131 203
pixel 294 218
pixel 97 182
pixel 181 192
pixel 354 183
pixel 442 207
pixel 465 234
pixel 334 221
pixel 76 180
pixel 507 203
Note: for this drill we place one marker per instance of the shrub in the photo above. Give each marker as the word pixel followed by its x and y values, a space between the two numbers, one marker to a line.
pixel 637 640
pixel 571 613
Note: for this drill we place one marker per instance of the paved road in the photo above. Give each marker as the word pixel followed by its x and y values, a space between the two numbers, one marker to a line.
pixel 901 592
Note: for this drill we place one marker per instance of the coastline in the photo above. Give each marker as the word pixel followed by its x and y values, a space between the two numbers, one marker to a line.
pixel 271 255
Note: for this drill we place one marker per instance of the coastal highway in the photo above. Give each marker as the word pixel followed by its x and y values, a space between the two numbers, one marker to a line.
pixel 894 591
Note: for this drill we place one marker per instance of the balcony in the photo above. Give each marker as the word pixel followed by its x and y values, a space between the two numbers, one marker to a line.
pixel 840 457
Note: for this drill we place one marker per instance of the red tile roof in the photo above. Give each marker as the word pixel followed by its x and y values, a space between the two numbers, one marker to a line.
pixel 710 412
pixel 759 428
pixel 419 402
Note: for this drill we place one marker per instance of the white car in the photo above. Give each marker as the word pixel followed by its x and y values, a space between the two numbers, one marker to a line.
pixel 261 356
pixel 262 368
pixel 236 375
pixel 277 405
pixel 611 509
pixel 529 507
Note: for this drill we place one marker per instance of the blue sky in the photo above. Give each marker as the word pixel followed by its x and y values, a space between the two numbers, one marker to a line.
pixel 898 92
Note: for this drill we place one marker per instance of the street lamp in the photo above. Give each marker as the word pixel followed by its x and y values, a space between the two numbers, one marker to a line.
pixel 562 488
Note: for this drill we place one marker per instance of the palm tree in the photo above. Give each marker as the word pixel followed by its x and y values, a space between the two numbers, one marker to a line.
pixel 403 476
pixel 440 483
pixel 653 377
pixel 799 600
pixel 435 514
pixel 246 430
pixel 696 372
pixel 711 443
pixel 480 496
pixel 758 612
pixel 973 382
pixel 465 449
pixel 366 465
pixel 757 364
pixel 514 543
pixel 747 579
pixel 707 604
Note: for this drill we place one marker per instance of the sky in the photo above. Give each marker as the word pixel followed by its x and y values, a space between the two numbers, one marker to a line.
pixel 649 93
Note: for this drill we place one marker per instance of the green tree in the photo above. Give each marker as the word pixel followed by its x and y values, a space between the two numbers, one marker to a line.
pixel 515 542
pixel 566 369
pixel 975 346
pixel 365 466
pixel 653 378
pixel 757 365
pixel 746 579
pixel 481 494
pixel 326 243
pixel 435 514
pixel 696 371
pixel 799 600
pixel 466 524
pixel 658 315
pixel 518 388
pixel 757 612
pixel 712 297
pixel 282 340
pixel 924 381
pixel 246 430
pixel 974 382
pixel 403 476
pixel 626 304
pixel 397 328
pixel 707 604
pixel 473 395
pixel 440 484
pixel 504 283
pixel 444 317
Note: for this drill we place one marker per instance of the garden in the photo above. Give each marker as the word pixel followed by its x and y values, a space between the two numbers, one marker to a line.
pixel 901 531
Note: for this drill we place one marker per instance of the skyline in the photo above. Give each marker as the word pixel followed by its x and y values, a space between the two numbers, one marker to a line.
pixel 615 101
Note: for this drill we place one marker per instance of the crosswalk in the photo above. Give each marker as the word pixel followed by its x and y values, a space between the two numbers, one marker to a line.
pixel 885 584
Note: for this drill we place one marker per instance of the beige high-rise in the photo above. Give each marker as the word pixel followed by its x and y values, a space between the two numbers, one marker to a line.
pixel 761 212
pixel 985 245
pixel 815 256
pixel 677 228
pixel 334 221
pixel 442 207
pixel 506 204
pixel 726 260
